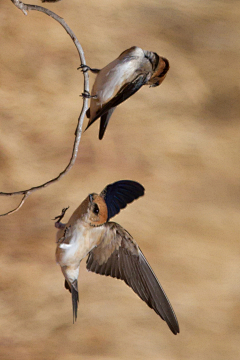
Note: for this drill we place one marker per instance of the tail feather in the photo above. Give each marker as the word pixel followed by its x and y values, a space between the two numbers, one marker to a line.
pixel 91 121
pixel 75 299
pixel 104 122
pixel 67 286
pixel 105 116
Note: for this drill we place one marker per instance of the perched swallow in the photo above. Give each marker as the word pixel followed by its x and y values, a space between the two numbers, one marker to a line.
pixel 120 79
pixel 110 248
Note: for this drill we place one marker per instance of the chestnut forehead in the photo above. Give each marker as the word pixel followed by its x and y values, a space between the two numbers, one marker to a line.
pixel 99 201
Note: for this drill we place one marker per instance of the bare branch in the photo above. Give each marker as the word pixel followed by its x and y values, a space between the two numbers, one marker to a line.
pixel 19 206
pixel 25 8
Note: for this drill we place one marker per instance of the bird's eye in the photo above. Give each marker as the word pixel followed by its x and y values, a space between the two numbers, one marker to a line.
pixel 95 209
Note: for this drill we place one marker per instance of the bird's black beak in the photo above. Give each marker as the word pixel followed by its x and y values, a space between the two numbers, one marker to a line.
pixel 156 84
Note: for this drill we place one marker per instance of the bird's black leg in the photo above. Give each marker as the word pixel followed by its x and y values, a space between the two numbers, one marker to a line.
pixel 58 223
pixel 85 68
pixel 86 95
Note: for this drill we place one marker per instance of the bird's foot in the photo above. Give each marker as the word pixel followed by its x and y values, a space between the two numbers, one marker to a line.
pixel 58 223
pixel 85 68
pixel 87 95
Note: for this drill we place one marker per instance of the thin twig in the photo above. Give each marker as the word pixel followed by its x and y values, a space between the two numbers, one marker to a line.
pixel 25 8
pixel 19 206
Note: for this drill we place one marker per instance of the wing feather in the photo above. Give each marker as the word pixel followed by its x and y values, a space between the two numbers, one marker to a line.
pixel 123 94
pixel 119 256
pixel 119 194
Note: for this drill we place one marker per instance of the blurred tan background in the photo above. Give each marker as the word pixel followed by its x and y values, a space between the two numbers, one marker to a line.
pixel 181 141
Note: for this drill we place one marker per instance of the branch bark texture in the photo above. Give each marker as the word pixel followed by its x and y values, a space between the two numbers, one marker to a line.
pixel 25 193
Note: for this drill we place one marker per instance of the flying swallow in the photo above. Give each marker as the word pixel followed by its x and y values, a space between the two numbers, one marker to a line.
pixel 110 248
pixel 120 79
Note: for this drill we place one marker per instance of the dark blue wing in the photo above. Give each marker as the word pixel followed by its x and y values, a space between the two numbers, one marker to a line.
pixel 119 194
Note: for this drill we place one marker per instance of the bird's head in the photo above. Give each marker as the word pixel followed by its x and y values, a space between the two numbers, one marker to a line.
pixel 160 68
pixel 97 210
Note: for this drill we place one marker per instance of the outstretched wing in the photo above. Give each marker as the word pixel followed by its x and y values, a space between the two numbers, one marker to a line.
pixel 119 194
pixel 119 256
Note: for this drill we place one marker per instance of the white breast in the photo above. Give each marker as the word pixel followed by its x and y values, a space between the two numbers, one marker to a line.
pixel 82 240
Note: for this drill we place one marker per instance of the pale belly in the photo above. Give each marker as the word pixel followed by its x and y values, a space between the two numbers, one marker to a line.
pixel 82 242
pixel 111 79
